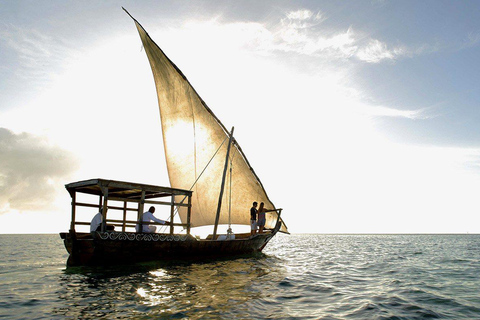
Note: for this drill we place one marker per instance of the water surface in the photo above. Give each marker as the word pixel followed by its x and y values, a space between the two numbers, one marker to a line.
pixel 297 277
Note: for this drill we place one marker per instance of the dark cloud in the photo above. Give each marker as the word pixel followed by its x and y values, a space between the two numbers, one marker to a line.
pixel 30 170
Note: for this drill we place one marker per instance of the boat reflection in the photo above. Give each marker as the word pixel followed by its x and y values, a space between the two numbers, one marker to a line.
pixel 192 290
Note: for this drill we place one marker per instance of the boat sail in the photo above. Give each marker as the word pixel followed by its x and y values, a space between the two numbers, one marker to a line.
pixel 199 152
pixel 195 149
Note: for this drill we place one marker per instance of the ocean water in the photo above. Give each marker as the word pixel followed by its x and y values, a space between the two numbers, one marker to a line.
pixel 297 277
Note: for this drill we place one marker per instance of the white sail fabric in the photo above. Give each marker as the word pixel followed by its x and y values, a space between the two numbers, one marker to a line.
pixel 192 135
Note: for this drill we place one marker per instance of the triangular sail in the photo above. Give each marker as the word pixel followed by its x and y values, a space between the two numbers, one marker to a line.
pixel 192 135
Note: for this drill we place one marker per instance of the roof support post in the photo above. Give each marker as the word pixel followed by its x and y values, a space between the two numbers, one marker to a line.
pixel 172 212
pixel 74 205
pixel 278 224
pixel 140 212
pixel 189 213
pixel 104 209
pixel 124 215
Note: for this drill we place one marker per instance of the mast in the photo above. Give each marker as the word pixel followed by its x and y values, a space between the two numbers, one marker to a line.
pixel 223 185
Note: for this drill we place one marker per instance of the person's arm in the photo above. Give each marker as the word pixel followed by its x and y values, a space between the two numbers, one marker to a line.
pixel 158 220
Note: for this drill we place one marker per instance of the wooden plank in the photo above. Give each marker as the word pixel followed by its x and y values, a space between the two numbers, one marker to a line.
pixel 178 204
pixel 189 213
pixel 121 208
pixel 146 187
pixel 72 223
pixel 83 204
pixel 126 221
pixel 88 191
pixel 279 212
pixel 147 201
pixel 172 212
pixel 147 223
pixel 124 215
pixel 158 195
pixel 113 198
pixel 140 211
pixel 104 209
pixel 82 223
pixel 130 223
pixel 121 225
pixel 83 183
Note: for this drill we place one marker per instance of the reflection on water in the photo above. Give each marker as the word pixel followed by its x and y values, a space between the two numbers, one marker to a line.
pixel 190 290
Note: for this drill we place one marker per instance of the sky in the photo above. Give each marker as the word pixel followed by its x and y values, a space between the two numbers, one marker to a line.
pixel 357 116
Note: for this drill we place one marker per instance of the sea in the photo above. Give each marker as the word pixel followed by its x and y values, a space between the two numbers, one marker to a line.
pixel 298 276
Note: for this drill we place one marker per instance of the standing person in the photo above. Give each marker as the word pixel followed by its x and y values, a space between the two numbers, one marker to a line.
pixel 96 223
pixel 147 217
pixel 253 218
pixel 261 218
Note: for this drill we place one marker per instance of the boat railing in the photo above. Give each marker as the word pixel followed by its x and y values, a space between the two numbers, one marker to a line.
pixel 129 223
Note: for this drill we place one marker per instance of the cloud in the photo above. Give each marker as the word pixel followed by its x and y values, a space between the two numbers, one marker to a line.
pixel 33 54
pixel 298 32
pixel 304 15
pixel 472 40
pixel 377 51
pixel 382 111
pixel 301 32
pixel 30 169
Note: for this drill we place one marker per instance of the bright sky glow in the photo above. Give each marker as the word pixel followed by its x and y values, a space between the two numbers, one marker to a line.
pixel 357 116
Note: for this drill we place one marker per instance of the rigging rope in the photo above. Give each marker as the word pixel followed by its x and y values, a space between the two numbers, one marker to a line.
pixel 229 230
pixel 181 202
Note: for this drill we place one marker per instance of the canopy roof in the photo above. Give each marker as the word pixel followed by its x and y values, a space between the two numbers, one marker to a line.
pixel 121 189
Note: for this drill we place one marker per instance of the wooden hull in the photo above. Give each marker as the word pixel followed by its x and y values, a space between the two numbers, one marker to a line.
pixel 125 247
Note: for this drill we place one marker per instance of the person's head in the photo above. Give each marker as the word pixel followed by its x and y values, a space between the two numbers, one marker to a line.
pixel 261 206
pixel 152 209
pixel 255 204
pixel 101 209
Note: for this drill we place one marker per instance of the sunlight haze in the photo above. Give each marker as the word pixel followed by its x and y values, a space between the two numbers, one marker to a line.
pixel 357 116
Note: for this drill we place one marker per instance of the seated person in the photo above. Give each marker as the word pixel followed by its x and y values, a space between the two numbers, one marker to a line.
pixel 96 224
pixel 147 217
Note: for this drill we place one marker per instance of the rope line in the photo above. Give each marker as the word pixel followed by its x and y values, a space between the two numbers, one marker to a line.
pixel 181 202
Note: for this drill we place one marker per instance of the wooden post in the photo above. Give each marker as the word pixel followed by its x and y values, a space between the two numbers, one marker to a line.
pixel 124 215
pixel 72 223
pixel 104 209
pixel 140 211
pixel 279 212
pixel 172 213
pixel 219 207
pixel 189 213
pixel 230 202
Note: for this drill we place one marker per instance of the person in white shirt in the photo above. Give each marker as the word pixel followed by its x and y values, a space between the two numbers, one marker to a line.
pixel 147 217
pixel 96 223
